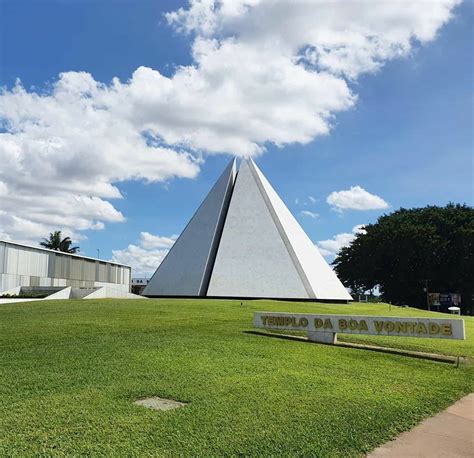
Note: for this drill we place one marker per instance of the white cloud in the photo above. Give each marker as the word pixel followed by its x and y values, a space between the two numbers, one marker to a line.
pixel 143 262
pixel 62 154
pixel 307 201
pixel 340 37
pixel 310 214
pixel 356 198
pixel 147 256
pixel 150 241
pixel 332 246
pixel 262 72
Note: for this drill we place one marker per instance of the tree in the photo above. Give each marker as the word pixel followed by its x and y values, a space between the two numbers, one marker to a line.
pixel 404 250
pixel 55 242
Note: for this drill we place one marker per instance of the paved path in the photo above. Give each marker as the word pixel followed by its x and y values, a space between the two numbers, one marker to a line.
pixel 448 434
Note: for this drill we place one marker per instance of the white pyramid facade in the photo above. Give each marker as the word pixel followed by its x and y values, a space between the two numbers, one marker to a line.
pixel 252 260
pixel 244 242
pixel 186 269
pixel 321 280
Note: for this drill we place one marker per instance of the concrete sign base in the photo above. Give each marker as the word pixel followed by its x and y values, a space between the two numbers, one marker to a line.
pixel 324 337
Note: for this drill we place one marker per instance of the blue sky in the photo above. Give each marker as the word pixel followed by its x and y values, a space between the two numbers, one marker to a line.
pixel 407 138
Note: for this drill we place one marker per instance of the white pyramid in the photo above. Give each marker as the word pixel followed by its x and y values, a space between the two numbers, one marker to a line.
pixel 244 242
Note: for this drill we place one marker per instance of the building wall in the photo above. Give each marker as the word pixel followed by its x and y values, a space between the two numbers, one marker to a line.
pixel 28 266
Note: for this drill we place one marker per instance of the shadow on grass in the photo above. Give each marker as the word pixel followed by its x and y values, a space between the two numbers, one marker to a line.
pixel 394 351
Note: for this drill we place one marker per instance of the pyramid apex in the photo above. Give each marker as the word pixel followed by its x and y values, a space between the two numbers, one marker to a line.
pixel 245 162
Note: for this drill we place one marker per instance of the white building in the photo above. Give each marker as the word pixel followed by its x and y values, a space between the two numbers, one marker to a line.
pixel 29 266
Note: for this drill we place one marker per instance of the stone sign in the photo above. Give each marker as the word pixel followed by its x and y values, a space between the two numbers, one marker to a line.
pixel 324 328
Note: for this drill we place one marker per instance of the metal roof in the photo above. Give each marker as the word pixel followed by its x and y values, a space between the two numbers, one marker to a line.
pixel 40 248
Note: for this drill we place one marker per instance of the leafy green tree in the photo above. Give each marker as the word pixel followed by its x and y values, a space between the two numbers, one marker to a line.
pixel 409 248
pixel 56 242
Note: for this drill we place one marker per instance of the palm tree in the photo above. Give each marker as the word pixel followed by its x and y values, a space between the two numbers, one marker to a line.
pixel 55 242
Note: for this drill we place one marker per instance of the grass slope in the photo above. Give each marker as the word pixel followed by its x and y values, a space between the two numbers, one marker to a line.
pixel 69 371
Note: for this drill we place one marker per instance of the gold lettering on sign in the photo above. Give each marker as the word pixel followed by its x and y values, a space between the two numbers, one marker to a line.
pixel 285 321
pixel 400 327
pixel 420 328
pixel 353 325
pixel 327 324
pixel 446 330
pixel 319 323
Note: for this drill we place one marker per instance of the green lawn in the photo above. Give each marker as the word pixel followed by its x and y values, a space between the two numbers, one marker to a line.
pixel 69 371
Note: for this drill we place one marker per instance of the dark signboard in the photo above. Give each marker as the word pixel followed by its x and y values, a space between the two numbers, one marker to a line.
pixel 444 299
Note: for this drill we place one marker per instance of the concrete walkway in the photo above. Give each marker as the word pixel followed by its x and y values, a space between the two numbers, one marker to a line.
pixel 448 434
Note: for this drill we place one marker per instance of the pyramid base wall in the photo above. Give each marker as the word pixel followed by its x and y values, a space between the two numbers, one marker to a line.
pixel 236 298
